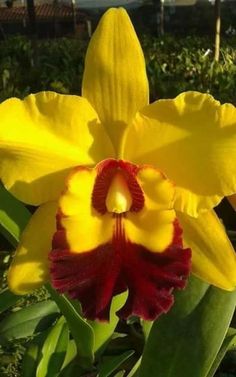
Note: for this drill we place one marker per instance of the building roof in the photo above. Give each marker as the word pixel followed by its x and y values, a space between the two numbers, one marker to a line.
pixel 100 4
pixel 43 12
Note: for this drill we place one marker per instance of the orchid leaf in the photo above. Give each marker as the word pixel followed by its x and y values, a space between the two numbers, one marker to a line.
pixel 28 321
pixel 121 373
pixel 73 369
pixel 80 329
pixel 32 355
pixel 147 325
pixel 90 336
pixel 7 299
pixel 30 360
pixel 71 353
pixel 104 331
pixel 111 363
pixel 228 343
pixel 13 216
pixel 134 370
pixel 198 321
pixel 54 350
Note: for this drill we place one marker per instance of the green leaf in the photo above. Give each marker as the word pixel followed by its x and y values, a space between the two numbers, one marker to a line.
pixel 134 370
pixel 7 299
pixel 80 329
pixel 29 363
pixel 13 216
pixel 147 325
pixel 104 331
pixel 229 341
pixel 121 373
pixel 54 350
pixel 185 342
pixel 111 363
pixel 90 336
pixel 28 321
pixel 71 353
pixel 32 355
pixel 74 369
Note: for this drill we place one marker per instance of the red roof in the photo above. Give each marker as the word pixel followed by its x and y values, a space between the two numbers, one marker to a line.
pixel 43 12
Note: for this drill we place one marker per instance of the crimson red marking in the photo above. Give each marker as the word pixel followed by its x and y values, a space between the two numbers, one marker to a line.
pixel 94 277
pixel 106 171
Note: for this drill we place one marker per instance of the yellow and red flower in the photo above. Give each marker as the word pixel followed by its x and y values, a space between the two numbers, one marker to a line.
pixel 113 235
pixel 116 179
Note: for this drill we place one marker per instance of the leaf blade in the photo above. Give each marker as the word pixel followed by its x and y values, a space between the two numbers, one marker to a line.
pixel 112 363
pixel 229 341
pixel 54 350
pixel 28 321
pixel 172 338
pixel 80 329
pixel 103 331
pixel 14 216
pixel 7 299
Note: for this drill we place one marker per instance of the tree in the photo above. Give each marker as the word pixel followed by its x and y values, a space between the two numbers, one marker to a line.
pixel 217 29
pixel 31 18
pixel 32 30
pixel 159 7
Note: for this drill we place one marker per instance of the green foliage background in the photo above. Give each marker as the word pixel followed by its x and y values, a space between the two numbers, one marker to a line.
pixel 173 65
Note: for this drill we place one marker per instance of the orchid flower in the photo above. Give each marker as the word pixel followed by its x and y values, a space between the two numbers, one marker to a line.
pixel 125 188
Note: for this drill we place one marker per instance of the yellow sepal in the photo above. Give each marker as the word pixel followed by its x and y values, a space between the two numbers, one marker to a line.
pixel 213 256
pixel 30 266
pixel 115 80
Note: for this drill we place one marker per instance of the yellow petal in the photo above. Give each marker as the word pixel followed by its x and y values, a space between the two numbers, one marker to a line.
pixel 153 227
pixel 84 227
pixel 192 139
pixel 115 80
pixel 29 268
pixel 213 256
pixel 41 138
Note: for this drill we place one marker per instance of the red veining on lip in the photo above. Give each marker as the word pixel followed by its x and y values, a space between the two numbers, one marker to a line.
pixel 95 276
pixel 106 171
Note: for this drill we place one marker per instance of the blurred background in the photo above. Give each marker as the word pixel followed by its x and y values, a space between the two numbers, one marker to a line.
pixel 188 44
